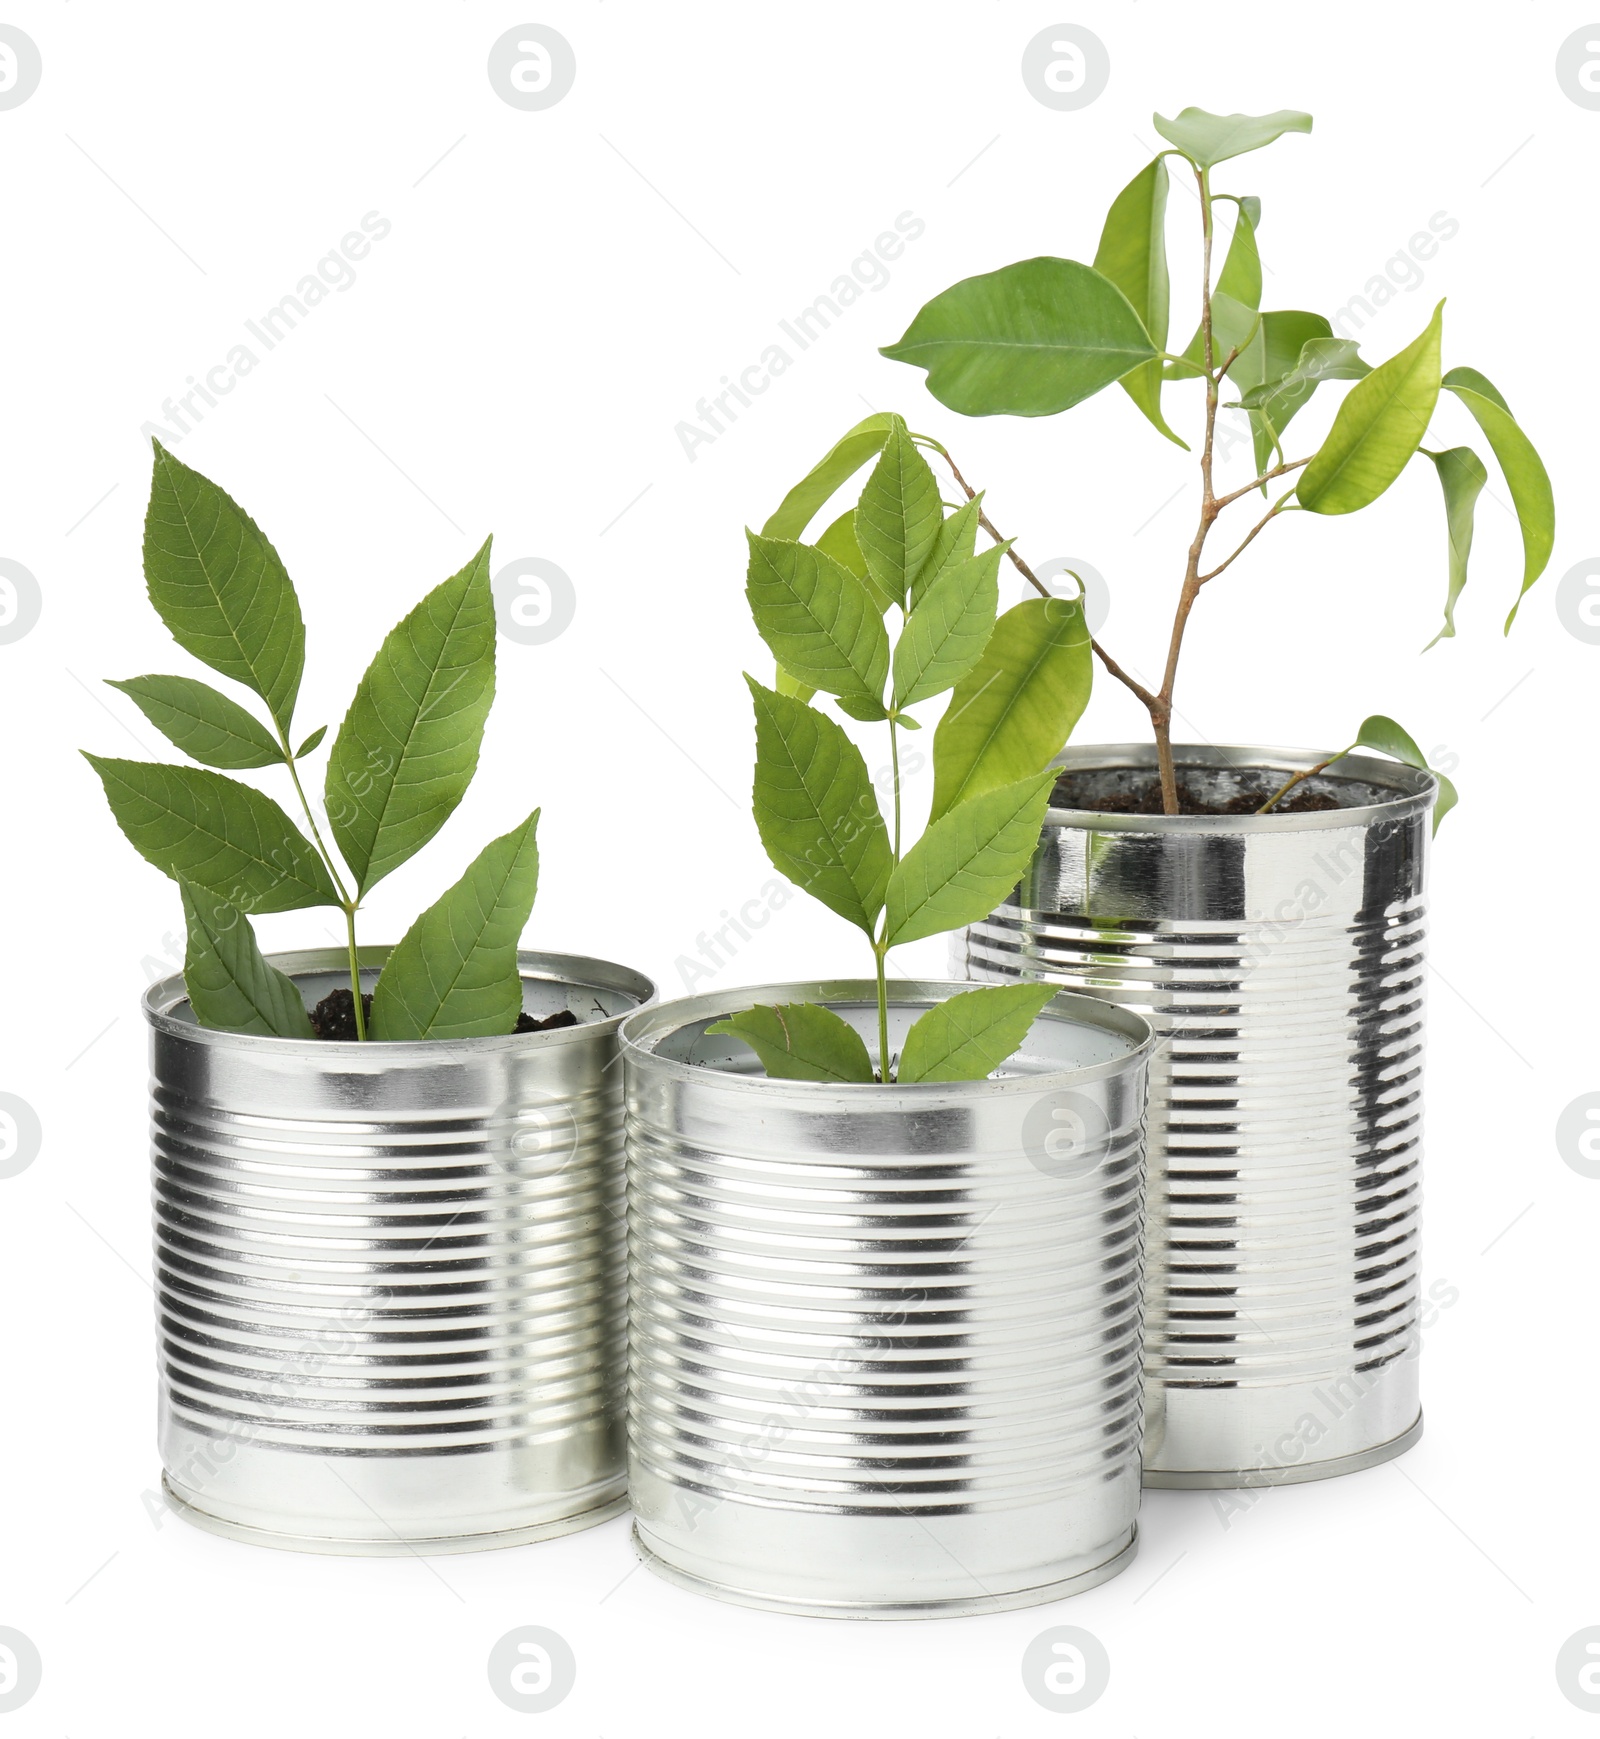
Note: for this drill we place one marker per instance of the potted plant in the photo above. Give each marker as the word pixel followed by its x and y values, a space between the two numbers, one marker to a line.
pixel 389 1237
pixel 1264 907
pixel 885 1236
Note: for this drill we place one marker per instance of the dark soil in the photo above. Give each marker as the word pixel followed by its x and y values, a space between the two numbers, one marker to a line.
pixel 335 1017
pixel 527 1024
pixel 1190 802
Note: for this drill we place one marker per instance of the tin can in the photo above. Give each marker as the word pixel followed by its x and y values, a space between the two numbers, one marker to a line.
pixel 885 1339
pixel 1280 960
pixel 390 1277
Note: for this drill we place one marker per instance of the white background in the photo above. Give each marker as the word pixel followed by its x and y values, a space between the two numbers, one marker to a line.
pixel 555 295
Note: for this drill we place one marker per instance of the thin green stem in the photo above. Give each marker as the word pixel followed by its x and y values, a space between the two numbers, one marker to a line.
pixel 347 904
pixel 880 950
pixel 355 971
pixel 894 763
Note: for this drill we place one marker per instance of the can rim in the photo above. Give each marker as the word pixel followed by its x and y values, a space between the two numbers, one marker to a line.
pixel 576 971
pixel 1414 789
pixel 646 1027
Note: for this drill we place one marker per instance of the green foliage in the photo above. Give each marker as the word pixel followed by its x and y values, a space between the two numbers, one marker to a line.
pixel 815 805
pixel 971 1034
pixel 801 1041
pixel 1026 341
pixel 230 985
pixel 1042 335
pixel 453 975
pixel 399 766
pixel 1384 735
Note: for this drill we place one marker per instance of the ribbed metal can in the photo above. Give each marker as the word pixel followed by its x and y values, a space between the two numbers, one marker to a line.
pixel 390 1277
pixel 885 1340
pixel 1280 960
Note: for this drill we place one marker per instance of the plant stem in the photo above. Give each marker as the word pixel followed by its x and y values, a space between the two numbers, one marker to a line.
pixel 1310 772
pixel 894 762
pixel 347 904
pixel 355 972
pixel 880 950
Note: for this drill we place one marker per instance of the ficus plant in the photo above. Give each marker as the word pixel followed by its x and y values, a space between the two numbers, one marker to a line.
pixel 399 764
pixel 891 607
pixel 1038 337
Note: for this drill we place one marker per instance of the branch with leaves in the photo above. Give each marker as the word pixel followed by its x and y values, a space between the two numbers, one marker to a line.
pixel 399 765
pixel 1017 683
pixel 1036 338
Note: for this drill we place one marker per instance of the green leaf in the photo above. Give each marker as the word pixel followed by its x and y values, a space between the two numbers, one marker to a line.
pixel 1384 735
pixel 1524 471
pixel 1029 340
pixel 206 725
pixel 224 837
pixel 818 618
pixel 1235 308
pixel 453 975
pixel 839 542
pixel 968 1036
pixel 1133 255
pixel 1299 352
pixel 1462 476
pixel 408 746
pixel 816 810
pixel 793 686
pixel 949 628
pixel 899 516
pixel 1379 426
pixel 968 860
pixel 801 1041
pixel 955 544
pixel 311 742
pixel 1211 139
pixel 230 986
pixel 836 467
pixel 1016 707
pixel 218 585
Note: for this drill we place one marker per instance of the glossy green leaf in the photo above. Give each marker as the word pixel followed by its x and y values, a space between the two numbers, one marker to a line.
pixel 899 516
pixel 1462 476
pixel 1379 426
pixel 453 975
pixel 834 469
pixel 968 1036
pixel 816 810
pixel 230 986
pixel 948 629
pixel 225 837
pixel 956 543
pixel 1388 738
pixel 1029 340
pixel 1211 139
pixel 1016 708
pixel 968 861
pixel 801 1041
pixel 408 746
pixel 311 742
pixel 219 586
pixel 1133 255
pixel 818 618
pixel 206 725
pixel 1525 475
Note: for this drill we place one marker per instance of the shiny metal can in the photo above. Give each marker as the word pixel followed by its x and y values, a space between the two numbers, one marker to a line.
pixel 1280 960
pixel 885 1339
pixel 390 1277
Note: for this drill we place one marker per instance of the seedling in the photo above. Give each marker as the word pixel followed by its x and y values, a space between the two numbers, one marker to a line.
pixel 1038 337
pixel 1016 686
pixel 399 765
